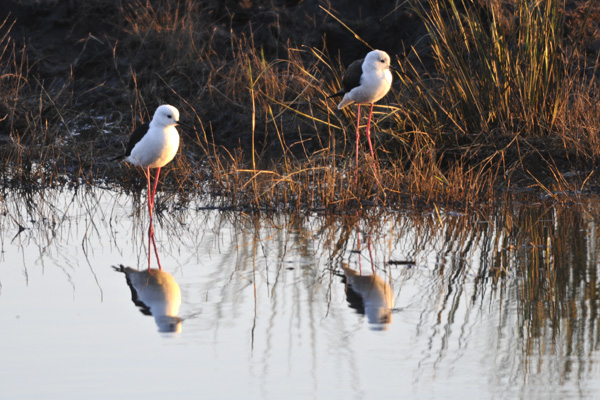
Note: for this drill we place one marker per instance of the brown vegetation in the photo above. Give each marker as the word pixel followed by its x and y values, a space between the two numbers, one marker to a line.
pixel 493 96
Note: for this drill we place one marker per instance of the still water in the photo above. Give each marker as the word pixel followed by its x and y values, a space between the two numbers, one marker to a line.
pixel 393 304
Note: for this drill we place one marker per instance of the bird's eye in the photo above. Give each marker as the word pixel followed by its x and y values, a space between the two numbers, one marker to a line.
pixel 168 116
pixel 382 60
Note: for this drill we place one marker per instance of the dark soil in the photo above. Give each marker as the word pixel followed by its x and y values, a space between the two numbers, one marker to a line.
pixel 87 50
pixel 88 46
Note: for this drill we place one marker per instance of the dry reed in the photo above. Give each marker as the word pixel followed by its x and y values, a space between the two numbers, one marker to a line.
pixel 511 102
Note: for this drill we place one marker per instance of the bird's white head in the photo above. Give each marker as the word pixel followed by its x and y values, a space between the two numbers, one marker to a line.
pixel 376 60
pixel 165 115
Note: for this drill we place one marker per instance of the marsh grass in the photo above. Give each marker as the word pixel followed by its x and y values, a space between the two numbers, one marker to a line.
pixel 531 265
pixel 32 153
pixel 505 105
pixel 511 102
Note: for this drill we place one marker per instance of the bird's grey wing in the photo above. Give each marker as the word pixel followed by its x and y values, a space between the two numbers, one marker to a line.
pixel 352 76
pixel 136 136
pixel 130 276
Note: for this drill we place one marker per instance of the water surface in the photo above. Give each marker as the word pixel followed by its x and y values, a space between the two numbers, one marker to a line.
pixel 390 305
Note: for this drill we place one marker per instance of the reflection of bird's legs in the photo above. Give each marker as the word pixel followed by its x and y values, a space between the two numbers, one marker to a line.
pixel 370 253
pixel 149 248
pixel 151 236
pixel 358 244
pixel 357 139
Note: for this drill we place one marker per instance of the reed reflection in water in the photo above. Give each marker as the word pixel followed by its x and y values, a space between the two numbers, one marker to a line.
pixel 502 302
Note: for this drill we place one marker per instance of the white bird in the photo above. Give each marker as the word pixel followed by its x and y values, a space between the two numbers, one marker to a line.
pixel 375 297
pixel 366 81
pixel 154 145
pixel 157 294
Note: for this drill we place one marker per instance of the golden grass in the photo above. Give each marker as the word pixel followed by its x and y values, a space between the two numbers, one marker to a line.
pixel 512 102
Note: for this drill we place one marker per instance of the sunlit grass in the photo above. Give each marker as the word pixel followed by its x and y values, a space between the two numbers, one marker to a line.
pixel 510 101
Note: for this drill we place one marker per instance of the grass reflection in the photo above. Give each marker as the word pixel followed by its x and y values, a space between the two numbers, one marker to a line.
pixel 516 286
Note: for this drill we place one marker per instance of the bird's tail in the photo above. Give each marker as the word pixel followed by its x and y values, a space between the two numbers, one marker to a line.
pixel 348 271
pixel 119 158
pixel 345 102
pixel 122 268
pixel 338 94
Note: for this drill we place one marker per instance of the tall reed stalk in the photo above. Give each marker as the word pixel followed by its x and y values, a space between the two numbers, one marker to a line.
pixel 506 100
pixel 500 71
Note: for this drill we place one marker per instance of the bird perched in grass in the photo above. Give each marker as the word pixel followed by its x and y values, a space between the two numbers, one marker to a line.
pixel 366 81
pixel 154 145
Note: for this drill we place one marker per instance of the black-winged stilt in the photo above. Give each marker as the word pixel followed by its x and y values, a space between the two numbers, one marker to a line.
pixel 375 297
pixel 366 81
pixel 154 145
pixel 156 293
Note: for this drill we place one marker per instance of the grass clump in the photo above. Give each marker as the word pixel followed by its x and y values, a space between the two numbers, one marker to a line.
pixel 500 72
pixel 490 95
pixel 504 103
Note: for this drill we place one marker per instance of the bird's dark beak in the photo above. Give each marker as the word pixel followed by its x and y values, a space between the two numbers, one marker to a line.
pixel 184 125
pixel 394 69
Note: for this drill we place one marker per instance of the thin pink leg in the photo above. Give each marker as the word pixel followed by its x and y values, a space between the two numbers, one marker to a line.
pixel 150 232
pixel 369 132
pixel 150 201
pixel 155 185
pixel 151 228
pixel 357 140
pixel 371 145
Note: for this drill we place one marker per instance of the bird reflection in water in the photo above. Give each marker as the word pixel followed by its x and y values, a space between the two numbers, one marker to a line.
pixel 157 294
pixel 370 295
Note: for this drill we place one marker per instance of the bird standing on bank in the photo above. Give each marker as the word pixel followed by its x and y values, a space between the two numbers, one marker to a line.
pixel 154 145
pixel 366 81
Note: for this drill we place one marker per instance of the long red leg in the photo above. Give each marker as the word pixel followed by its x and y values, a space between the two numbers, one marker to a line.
pixel 369 132
pixel 155 185
pixel 150 199
pixel 371 145
pixel 357 140
pixel 150 231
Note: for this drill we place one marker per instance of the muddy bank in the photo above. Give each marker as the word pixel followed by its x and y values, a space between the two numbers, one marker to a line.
pixel 98 48
pixel 252 74
pixel 101 67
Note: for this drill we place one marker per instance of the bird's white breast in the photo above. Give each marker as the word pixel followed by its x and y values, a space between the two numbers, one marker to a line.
pixel 373 86
pixel 157 148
